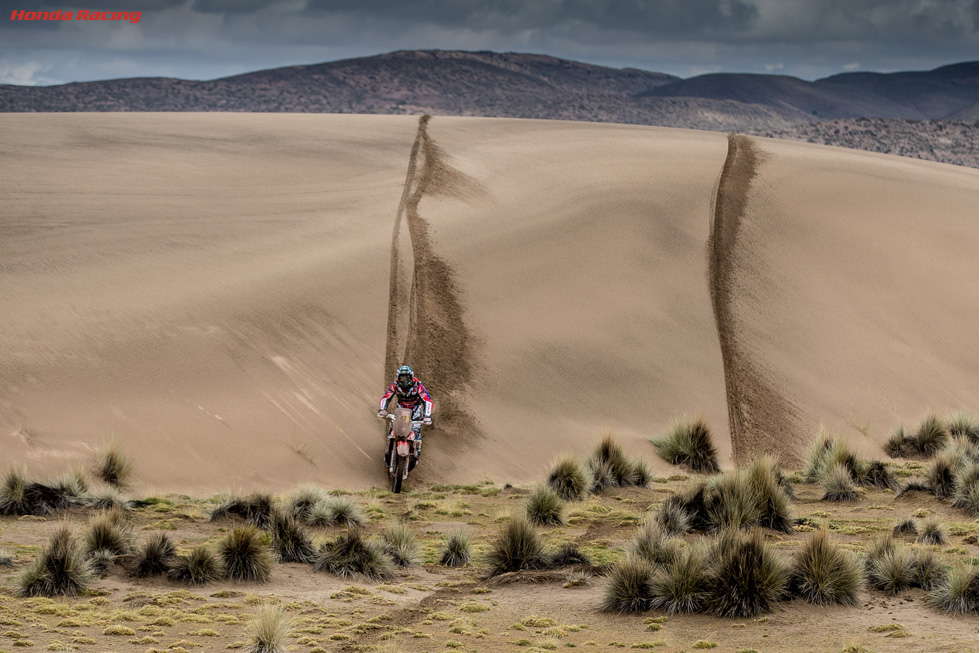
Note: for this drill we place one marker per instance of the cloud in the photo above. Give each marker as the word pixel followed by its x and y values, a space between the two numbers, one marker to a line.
pixel 23 74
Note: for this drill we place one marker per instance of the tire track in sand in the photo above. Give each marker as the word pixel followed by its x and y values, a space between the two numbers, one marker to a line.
pixel 425 318
pixel 761 418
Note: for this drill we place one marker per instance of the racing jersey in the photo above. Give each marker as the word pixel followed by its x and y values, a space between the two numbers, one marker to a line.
pixel 410 398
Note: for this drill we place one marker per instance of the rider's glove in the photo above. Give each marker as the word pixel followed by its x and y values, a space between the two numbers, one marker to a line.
pixel 382 413
pixel 427 420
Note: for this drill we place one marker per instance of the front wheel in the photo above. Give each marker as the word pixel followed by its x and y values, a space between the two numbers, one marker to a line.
pixel 396 480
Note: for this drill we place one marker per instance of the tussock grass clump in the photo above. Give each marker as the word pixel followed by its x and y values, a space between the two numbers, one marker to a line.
pixel 72 487
pixel 681 587
pixel 746 577
pixel 456 549
pixel 905 527
pixel 290 541
pixel 350 554
pixel 567 555
pixel 748 497
pixel 199 567
pixel 891 572
pixel 62 569
pixel 400 544
pixel 300 503
pixel 641 473
pixel 966 492
pixel 963 425
pixel 155 557
pixel 825 452
pixel 929 573
pixel 899 444
pixel 256 509
pixel 337 511
pixel 673 518
pixel 769 493
pixel 544 507
pixel 930 437
pixel 688 443
pixel 824 573
pixel 112 464
pixel 568 479
pixel 516 548
pixel 107 497
pixel 913 486
pixel 957 594
pixel 268 630
pixel 628 588
pixel 610 467
pixel 875 474
pixel 837 484
pixel 941 473
pixel 12 499
pixel 6 559
pixel 245 555
pixel 881 545
pixel 108 531
pixel 99 560
pixel 933 532
pixel 653 545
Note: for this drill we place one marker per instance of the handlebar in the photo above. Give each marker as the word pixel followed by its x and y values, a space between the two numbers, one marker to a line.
pixel 414 422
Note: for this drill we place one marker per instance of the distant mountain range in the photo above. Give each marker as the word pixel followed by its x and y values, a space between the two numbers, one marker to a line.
pixel 531 86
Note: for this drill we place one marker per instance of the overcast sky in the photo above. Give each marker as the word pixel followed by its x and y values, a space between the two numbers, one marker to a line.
pixel 205 39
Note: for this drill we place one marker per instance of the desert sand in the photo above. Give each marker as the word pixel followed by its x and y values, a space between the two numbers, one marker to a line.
pixel 226 294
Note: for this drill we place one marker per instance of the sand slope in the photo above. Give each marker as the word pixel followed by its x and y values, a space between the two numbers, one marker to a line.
pixel 221 291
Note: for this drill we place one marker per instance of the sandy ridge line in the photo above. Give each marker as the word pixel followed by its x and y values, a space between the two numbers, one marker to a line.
pixel 760 418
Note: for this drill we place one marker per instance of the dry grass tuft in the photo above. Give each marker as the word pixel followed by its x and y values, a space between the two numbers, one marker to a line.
pixel 290 541
pixel 337 511
pixel 653 545
pixel 892 571
pixel 568 479
pixel 112 464
pixel 300 503
pixel 688 443
pixel 933 532
pixel 566 556
pixel 245 555
pixel 155 557
pixel 837 484
pixel 544 507
pixel 628 587
pixel 824 573
pixel 400 544
pixel 746 577
pixel 516 548
pixel 269 630
pixel 199 567
pixel 456 549
pixel 957 594
pixel 966 494
pixel 256 509
pixel 350 554
pixel 681 586
pixel 61 570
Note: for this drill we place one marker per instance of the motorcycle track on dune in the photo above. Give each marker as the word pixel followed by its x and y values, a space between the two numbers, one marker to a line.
pixel 426 329
pixel 761 418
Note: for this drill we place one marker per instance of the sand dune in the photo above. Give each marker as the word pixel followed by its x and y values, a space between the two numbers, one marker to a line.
pixel 221 291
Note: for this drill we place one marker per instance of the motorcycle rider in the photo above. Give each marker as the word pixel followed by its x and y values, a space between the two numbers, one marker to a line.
pixel 412 394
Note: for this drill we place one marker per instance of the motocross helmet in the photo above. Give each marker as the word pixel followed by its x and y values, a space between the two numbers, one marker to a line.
pixel 405 377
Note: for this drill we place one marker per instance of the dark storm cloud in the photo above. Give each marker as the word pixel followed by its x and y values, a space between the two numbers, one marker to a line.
pixel 204 39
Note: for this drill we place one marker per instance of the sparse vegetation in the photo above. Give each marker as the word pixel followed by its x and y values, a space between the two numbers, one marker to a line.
pixel 456 549
pixel 958 592
pixel 290 541
pixel 746 577
pixel 400 544
pixel 544 507
pixel 269 630
pixel 61 569
pixel 256 509
pixel 568 479
pixel 350 554
pixel 517 547
pixel 155 557
pixel 245 555
pixel 337 511
pixel 688 443
pixel 199 567
pixel 824 573
pixel 112 464
pixel 628 588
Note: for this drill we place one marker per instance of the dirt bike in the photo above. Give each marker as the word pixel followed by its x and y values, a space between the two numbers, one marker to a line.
pixel 401 442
